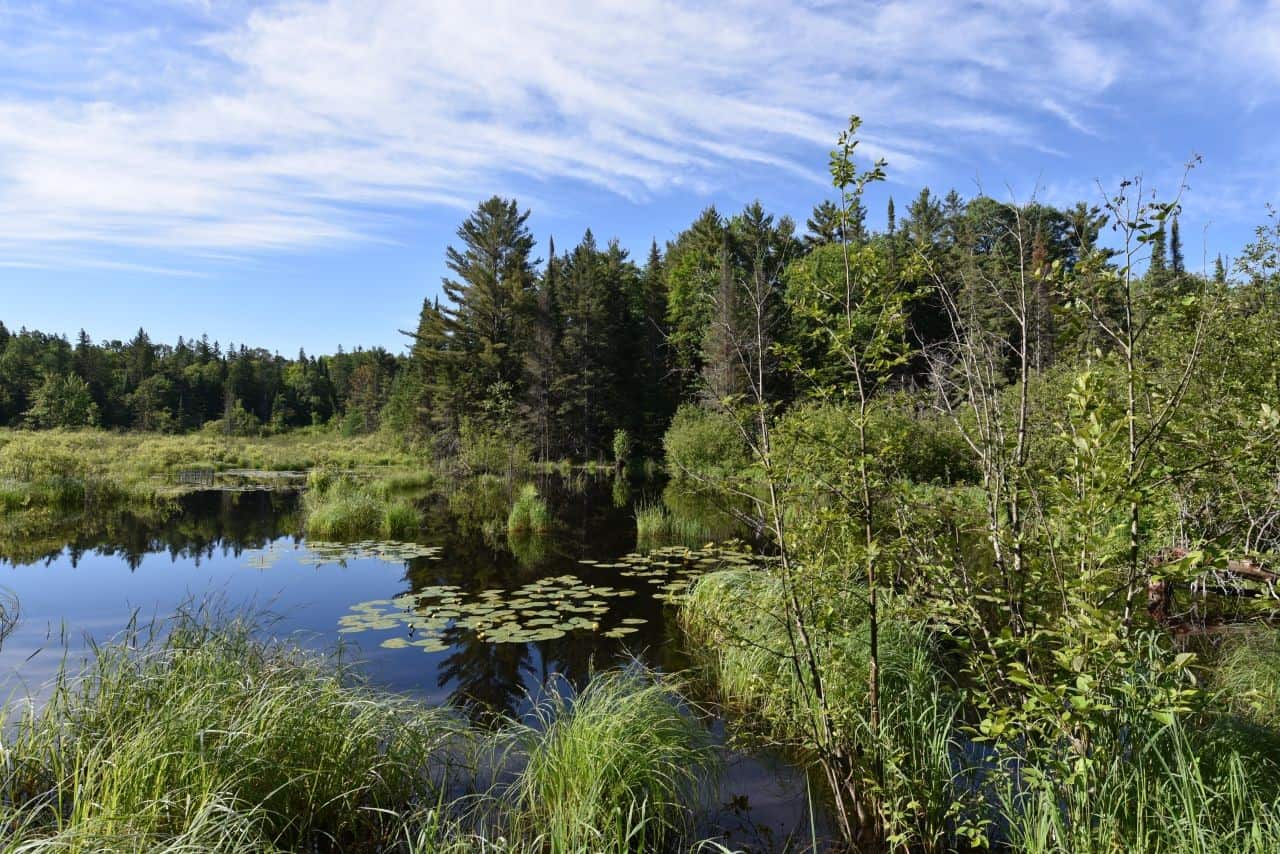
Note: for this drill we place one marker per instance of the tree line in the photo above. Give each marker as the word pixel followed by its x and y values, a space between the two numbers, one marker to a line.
pixel 46 381
pixel 568 352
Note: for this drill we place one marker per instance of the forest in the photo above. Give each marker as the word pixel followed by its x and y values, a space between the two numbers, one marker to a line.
pixel 1005 476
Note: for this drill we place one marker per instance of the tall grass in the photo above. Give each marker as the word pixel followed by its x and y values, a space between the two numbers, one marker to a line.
pixel 621 767
pixel 1172 789
pixel 67 467
pixel 1204 782
pixel 529 512
pixel 340 508
pixel 656 526
pixel 208 739
pixel 195 736
pixel 1248 675
pixel 735 622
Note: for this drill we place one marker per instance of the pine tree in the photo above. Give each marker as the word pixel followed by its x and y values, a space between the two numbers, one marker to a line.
pixel 925 221
pixel 824 225
pixel 692 267
pixel 1219 271
pixel 658 393
pixel 490 297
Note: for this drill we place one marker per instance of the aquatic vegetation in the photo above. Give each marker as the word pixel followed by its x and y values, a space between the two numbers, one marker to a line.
pixel 347 509
pixel 542 610
pixel 529 513
pixel 658 526
pixel 194 736
pixel 208 735
pixel 1248 674
pixel 620 767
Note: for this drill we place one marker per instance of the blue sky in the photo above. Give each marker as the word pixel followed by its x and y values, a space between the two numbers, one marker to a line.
pixel 288 174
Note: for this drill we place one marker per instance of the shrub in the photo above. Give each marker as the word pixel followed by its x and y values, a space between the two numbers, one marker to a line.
pixel 702 444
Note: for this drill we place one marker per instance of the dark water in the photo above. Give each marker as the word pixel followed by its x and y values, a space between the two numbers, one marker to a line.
pixel 84 577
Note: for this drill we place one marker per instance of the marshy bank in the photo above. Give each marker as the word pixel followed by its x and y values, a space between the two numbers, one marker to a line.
pixel 196 735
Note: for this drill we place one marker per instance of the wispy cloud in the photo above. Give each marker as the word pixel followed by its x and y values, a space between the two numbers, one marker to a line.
pixel 218 127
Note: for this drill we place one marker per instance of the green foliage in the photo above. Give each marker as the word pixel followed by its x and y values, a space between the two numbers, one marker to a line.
pixel 210 738
pixel 1248 675
pixel 345 509
pixel 485 449
pixel 657 526
pixel 196 736
pixel 622 447
pixel 63 402
pixel 529 513
pixel 701 444
pixel 620 767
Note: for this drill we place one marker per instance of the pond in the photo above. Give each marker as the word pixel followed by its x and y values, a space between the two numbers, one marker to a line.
pixel 466 614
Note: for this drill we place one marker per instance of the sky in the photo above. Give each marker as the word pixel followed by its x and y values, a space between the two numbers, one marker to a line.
pixel 288 174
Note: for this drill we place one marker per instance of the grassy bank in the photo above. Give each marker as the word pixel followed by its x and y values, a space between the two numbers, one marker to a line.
pixel 201 737
pixel 656 526
pixel 75 467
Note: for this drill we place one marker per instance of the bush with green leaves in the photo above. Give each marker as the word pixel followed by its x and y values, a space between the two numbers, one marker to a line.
pixel 704 445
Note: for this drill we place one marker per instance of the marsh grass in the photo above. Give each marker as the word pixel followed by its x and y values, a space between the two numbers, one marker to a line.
pixel 1204 782
pixel 656 526
pixel 201 738
pixel 529 512
pixel 1207 790
pixel 623 766
pixel 341 508
pixel 1248 675
pixel 195 735
pixel 72 467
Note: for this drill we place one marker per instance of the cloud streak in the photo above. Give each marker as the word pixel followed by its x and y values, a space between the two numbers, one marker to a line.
pixel 306 123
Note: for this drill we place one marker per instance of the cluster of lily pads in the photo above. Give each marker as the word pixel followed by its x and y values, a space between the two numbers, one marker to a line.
pixel 542 610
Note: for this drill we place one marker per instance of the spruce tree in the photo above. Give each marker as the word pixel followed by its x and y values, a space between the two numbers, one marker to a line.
pixel 1159 263
pixel 489 298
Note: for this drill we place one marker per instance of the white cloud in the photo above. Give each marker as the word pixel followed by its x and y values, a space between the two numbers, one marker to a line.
pixel 228 129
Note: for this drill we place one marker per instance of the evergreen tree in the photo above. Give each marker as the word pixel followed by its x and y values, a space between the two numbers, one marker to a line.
pixel 825 225
pixel 490 297
pixel 1175 249
pixel 693 270
pixel 658 394
pixel 542 360
pixel 1159 263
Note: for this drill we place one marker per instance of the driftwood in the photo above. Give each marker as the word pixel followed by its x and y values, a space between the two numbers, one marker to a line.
pixel 1240 579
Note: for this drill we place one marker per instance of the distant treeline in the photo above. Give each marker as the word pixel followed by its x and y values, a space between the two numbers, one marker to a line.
pixel 565 353
pixel 46 381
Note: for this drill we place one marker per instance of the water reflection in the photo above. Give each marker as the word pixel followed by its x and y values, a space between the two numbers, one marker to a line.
pixel 81 576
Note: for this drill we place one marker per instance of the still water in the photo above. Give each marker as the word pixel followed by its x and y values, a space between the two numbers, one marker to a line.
pixel 413 615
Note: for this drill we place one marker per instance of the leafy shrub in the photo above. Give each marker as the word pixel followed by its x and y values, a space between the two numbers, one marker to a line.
pixel 704 445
